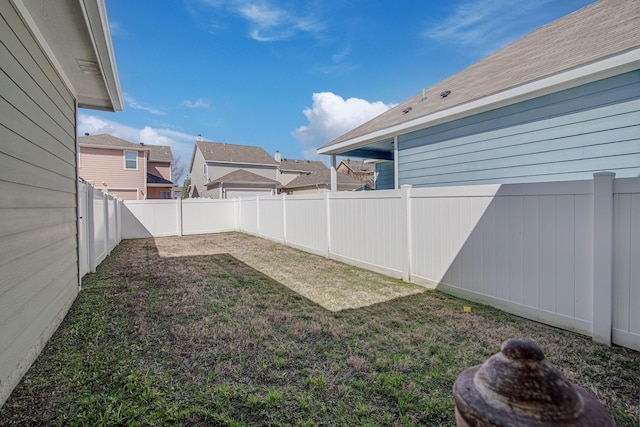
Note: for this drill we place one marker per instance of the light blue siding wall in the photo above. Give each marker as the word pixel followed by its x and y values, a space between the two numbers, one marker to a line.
pixel 566 135
pixel 384 172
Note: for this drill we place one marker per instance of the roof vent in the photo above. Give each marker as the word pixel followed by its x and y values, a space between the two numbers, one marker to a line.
pixel 406 110
pixel 445 94
pixel 424 96
pixel 199 137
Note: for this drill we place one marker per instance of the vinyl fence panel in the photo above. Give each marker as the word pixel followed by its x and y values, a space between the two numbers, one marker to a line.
pixel 306 222
pixel 626 269
pixel 149 218
pixel 202 216
pixel 271 217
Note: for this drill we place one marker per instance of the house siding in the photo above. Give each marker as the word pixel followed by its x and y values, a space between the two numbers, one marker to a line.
pixel 198 179
pixel 217 170
pixel 384 173
pixel 38 197
pixel 566 135
pixel 163 170
pixel 98 163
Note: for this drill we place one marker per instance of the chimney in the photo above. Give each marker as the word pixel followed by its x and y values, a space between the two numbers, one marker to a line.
pixel 277 156
pixel 199 137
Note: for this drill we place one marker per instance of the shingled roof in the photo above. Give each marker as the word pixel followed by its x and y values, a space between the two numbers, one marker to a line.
pixel 596 32
pixel 230 153
pixel 160 153
pixel 109 141
pixel 321 176
pixel 241 176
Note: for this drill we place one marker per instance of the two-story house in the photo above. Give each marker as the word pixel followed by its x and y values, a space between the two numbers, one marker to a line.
pixel 221 171
pixel 126 170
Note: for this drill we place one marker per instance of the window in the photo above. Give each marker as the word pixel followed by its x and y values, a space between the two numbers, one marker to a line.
pixel 204 169
pixel 165 194
pixel 131 160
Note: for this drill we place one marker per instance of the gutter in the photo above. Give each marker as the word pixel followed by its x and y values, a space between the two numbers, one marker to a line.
pixel 608 67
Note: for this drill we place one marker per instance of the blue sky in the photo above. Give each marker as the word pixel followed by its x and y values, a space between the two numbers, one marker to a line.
pixel 291 75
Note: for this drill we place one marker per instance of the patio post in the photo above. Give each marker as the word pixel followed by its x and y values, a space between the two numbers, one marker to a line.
pixel 334 174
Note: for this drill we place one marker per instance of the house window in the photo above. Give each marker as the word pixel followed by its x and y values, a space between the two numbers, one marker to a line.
pixel 131 160
pixel 165 194
pixel 204 169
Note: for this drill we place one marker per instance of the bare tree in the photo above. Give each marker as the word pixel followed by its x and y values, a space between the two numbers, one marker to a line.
pixel 178 168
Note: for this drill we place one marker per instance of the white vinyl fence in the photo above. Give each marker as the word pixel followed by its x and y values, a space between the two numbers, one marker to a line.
pixel 99 226
pixel 563 253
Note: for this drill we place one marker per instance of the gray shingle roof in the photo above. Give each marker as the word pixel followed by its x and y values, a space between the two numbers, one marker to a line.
pixel 106 140
pixel 321 177
pixel 358 166
pixel 595 32
pixel 229 153
pixel 289 165
pixel 157 153
pixel 242 176
pixel 160 153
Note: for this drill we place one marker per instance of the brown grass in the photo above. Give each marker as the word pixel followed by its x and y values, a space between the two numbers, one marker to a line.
pixel 229 329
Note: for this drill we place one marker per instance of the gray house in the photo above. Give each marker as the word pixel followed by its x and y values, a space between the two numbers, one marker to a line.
pixel 558 104
pixel 221 171
pixel 54 57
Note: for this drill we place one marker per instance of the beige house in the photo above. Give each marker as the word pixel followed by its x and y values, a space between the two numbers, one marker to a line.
pixel 126 170
pixel 363 172
pixel 308 176
pixel 221 171
pixel 56 56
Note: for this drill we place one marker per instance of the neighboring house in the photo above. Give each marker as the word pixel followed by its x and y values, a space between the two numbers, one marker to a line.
pixel 558 104
pixel 362 171
pixel 308 176
pixel 124 169
pixel 55 57
pixel 221 171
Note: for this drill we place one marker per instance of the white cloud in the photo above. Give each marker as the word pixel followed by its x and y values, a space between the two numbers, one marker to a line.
pixel 267 20
pixel 133 104
pixel 331 116
pixel 198 103
pixel 489 24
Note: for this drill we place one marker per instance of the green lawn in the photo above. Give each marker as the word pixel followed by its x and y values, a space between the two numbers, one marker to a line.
pixel 160 336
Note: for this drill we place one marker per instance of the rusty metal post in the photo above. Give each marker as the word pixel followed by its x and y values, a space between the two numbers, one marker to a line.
pixel 519 387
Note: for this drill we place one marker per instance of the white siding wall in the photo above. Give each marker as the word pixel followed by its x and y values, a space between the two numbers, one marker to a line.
pixel 38 240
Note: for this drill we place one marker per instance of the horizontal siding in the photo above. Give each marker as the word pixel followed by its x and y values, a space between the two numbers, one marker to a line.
pixel 385 176
pixel 563 136
pixel 38 242
pixel 106 169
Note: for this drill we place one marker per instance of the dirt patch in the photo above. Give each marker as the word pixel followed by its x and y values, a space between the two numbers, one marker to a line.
pixel 330 284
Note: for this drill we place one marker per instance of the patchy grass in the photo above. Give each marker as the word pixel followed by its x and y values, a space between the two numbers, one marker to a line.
pixel 234 330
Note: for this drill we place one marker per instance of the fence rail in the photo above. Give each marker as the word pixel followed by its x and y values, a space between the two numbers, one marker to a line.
pixel 563 253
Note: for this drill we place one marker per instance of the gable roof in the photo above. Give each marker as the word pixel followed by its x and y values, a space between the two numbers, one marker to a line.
pixel 597 41
pixel 292 165
pixel 104 140
pixel 239 154
pixel 160 153
pixel 241 176
pixel 358 166
pixel 322 177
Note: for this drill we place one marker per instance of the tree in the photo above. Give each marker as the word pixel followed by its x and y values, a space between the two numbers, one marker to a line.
pixel 178 168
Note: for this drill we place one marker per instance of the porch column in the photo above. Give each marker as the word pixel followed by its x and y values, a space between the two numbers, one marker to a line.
pixel 334 174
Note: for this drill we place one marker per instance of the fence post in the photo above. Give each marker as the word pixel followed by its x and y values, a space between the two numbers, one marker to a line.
pixel 405 215
pixel 179 225
pixel 328 214
pixel 284 219
pixel 91 237
pixel 602 257
pixel 105 212
pixel 258 215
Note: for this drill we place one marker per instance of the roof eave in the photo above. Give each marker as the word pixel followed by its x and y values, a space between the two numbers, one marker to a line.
pixel 608 67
